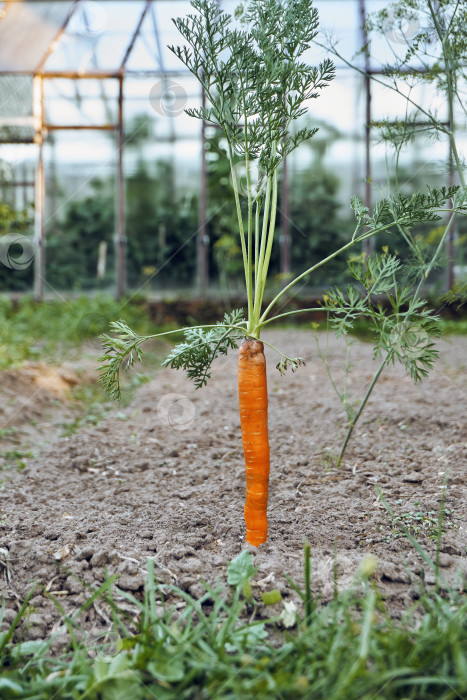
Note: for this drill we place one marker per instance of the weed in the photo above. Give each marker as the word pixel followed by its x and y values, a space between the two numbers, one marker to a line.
pixel 8 432
pixel 418 523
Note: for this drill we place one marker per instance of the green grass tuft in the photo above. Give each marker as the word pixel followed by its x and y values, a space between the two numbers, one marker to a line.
pixel 225 645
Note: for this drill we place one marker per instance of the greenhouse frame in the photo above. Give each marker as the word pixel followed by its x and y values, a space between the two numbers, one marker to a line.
pixel 67 66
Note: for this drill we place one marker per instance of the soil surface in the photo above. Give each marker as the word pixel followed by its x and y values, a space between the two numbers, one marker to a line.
pixel 163 477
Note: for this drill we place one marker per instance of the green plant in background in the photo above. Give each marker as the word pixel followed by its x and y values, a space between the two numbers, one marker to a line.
pixel 31 330
pixel 458 296
pixel 158 217
pixel 221 215
pixel 73 245
pixel 157 223
pixel 13 220
pixel 438 46
pixel 315 221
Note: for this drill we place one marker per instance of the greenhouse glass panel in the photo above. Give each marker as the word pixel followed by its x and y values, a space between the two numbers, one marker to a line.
pixel 26 31
pixel 157 33
pixel 80 209
pixel 96 37
pixel 85 102
pixel 16 114
pixel 162 166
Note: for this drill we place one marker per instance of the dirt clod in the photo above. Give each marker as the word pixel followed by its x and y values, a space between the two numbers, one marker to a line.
pixel 130 583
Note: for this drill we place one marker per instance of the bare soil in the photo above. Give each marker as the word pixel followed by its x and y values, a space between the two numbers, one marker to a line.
pixel 163 477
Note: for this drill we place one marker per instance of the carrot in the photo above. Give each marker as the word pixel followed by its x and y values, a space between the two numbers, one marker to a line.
pixel 253 400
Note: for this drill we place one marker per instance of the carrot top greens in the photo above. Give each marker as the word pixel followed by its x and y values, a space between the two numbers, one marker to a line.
pixel 256 84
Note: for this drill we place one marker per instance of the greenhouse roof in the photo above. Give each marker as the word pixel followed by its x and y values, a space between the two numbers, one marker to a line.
pixel 105 38
pixel 82 38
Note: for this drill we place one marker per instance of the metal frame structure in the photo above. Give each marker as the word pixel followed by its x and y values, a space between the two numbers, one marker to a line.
pixel 41 129
pixel 40 75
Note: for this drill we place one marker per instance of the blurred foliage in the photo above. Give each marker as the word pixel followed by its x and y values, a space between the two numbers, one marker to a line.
pixel 30 330
pixel 225 255
pixel 162 222
pixel 73 246
pixel 316 225
pixel 161 228
pixel 14 221
pixel 21 222
pixel 161 219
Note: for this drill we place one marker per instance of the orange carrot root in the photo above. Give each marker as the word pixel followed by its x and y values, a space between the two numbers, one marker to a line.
pixel 253 400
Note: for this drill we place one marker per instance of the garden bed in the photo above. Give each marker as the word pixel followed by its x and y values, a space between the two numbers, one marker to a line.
pixel 102 501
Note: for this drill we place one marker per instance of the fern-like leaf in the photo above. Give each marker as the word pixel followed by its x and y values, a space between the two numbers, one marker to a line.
pixel 196 354
pixel 123 349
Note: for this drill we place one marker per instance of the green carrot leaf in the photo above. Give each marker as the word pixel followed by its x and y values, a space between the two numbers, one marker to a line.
pixel 121 350
pixel 196 354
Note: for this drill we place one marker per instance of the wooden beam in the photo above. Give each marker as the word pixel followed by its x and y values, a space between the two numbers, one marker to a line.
pixel 39 192
pixel 103 75
pixel 77 75
pixel 81 127
pixel 4 9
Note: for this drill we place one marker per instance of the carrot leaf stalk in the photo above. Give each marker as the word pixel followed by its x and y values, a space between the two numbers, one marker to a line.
pixel 202 345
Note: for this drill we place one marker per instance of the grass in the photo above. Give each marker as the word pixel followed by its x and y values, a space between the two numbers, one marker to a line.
pixel 418 522
pixel 227 645
pixel 54 331
pixel 452 327
pixel 48 330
